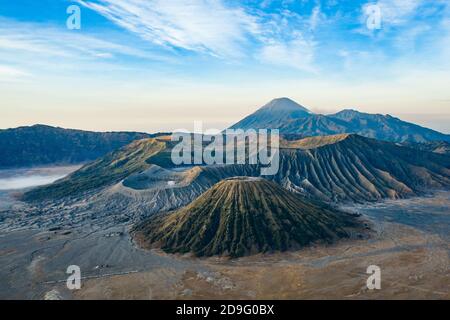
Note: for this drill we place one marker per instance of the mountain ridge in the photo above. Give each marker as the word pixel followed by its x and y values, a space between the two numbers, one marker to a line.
pixel 306 123
pixel 343 168
pixel 39 145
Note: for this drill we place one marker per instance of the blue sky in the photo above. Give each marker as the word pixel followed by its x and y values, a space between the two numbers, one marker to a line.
pixel 160 65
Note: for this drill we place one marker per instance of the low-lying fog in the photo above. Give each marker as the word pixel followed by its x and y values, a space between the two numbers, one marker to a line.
pixel 14 179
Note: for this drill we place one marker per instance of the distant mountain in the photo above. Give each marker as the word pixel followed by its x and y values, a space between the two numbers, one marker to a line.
pixel 277 113
pixel 45 145
pixel 241 216
pixel 337 168
pixel 386 127
pixel 291 118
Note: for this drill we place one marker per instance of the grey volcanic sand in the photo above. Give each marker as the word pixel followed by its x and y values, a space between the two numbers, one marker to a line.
pixel 430 214
pixel 29 259
pixel 32 261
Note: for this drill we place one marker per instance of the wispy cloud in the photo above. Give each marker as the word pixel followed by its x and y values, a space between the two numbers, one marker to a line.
pixel 199 25
pixel 396 12
pixel 12 74
pixel 44 51
pixel 216 28
pixel 288 39
pixel 297 53
pixel 316 17
pixel 53 42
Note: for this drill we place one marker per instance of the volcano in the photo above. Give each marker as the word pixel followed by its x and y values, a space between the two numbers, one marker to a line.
pixel 294 119
pixel 243 216
pixel 273 115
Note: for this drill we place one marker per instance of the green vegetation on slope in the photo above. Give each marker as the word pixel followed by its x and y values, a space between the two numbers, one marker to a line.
pixel 241 216
pixel 105 171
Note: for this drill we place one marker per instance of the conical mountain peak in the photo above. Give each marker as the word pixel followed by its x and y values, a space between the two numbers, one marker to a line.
pixel 242 216
pixel 284 104
pixel 274 115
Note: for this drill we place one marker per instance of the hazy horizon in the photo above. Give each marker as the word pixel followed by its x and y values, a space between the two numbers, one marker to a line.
pixel 438 122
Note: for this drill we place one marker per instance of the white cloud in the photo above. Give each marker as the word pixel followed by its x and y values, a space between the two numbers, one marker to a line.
pixel 265 3
pixel 199 25
pixel 36 39
pixel 316 17
pixel 215 28
pixel 209 27
pixel 282 43
pixel 398 16
pixel 297 53
pixel 442 44
pixel 406 39
pixel 11 73
pixel 394 12
pixel 46 52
